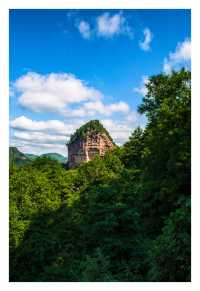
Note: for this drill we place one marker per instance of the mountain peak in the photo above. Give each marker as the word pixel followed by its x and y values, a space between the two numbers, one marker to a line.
pixel 91 127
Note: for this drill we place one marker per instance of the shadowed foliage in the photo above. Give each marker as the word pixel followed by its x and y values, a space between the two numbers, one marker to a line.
pixel 123 217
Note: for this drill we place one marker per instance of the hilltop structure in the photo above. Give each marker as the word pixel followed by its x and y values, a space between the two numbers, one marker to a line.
pixel 89 140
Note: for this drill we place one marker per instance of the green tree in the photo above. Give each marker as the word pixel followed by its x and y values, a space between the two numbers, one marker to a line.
pixel 123 217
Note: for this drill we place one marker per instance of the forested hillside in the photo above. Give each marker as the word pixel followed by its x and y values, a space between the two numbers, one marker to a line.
pixel 124 217
pixel 17 158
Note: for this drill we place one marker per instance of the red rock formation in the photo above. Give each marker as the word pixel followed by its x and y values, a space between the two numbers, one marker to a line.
pixel 84 149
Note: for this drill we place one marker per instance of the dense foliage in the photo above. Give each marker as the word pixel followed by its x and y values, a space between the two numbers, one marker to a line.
pixel 125 217
pixel 93 126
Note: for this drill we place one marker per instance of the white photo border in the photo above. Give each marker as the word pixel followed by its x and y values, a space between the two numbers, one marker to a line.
pixel 5 5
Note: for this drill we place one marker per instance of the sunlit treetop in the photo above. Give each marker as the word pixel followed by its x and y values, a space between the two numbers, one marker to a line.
pixel 92 127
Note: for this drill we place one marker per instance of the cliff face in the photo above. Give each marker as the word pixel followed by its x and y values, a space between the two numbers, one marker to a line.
pixel 84 147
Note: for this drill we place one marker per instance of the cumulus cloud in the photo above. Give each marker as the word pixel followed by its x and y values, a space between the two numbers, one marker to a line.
pixel 181 57
pixel 105 25
pixel 63 94
pixel 84 29
pixel 53 126
pixel 39 137
pixel 51 135
pixel 52 92
pixel 142 89
pixel 55 131
pixel 120 130
pixel 97 107
pixel 38 143
pixel 110 25
pixel 69 96
pixel 148 36
pixel 182 53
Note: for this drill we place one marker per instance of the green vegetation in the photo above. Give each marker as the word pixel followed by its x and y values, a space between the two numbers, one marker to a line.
pixel 17 158
pixel 31 156
pixel 93 126
pixel 125 217
pixel 56 157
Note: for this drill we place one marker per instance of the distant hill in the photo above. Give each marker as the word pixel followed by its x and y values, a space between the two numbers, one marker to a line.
pixel 31 156
pixel 17 158
pixel 55 156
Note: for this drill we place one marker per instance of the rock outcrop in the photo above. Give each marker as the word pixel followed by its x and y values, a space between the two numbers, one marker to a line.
pixel 89 140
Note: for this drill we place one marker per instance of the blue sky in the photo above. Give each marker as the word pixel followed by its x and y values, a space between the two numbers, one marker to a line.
pixel 70 66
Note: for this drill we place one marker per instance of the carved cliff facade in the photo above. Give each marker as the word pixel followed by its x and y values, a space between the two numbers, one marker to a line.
pixel 84 149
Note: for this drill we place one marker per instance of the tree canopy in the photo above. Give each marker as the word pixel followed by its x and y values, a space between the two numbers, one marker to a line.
pixel 124 217
pixel 91 127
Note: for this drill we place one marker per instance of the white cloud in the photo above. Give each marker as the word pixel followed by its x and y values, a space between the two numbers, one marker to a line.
pixel 181 57
pixel 108 26
pixel 39 137
pixel 148 36
pixel 167 66
pixel 142 89
pixel 120 130
pixel 84 29
pixel 132 118
pixel 51 135
pixel 38 143
pixel 97 107
pixel 182 53
pixel 63 94
pixel 53 92
pixel 53 126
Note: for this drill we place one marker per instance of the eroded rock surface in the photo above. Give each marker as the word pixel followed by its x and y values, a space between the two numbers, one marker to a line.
pixel 84 149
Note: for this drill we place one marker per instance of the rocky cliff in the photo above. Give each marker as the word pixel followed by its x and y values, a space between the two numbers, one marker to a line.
pixel 89 140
